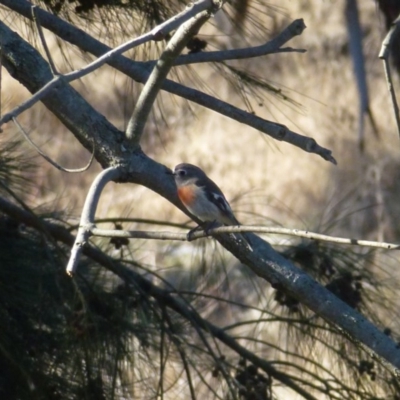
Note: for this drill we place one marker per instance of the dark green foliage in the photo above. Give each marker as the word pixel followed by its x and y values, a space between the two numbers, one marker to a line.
pixel 63 338
pixel 60 338
pixel 31 314
pixel 15 170
pixel 341 271
pixel 254 384
pixel 154 10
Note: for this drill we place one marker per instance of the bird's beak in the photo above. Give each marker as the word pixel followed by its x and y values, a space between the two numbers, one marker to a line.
pixel 169 172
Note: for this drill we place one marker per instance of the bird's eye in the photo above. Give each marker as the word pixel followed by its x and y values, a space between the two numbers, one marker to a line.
pixel 181 172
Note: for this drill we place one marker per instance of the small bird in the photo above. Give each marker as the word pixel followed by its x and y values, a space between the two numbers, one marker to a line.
pixel 202 197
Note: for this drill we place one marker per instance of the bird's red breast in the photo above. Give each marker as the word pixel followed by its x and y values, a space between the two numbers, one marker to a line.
pixel 187 194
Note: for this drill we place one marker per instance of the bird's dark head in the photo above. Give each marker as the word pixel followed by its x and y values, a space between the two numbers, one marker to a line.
pixel 185 174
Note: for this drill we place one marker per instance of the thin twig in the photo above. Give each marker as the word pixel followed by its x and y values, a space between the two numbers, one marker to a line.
pixel 384 56
pixel 47 158
pixel 273 46
pixel 233 54
pixel 240 229
pixel 156 34
pixel 147 221
pixel 88 213
pixel 275 130
pixel 35 18
pixel 160 71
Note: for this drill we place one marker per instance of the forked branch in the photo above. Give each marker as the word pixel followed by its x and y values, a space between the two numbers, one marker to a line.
pixel 138 72
pixel 160 71
pixel 88 214
pixel 158 33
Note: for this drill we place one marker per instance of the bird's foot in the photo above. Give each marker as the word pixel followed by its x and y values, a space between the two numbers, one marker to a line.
pixel 205 226
pixel 189 235
pixel 208 226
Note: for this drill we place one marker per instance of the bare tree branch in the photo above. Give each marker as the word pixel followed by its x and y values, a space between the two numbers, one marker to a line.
pixel 147 221
pixel 384 56
pixel 65 102
pixel 274 46
pixel 356 51
pixel 157 33
pixel 43 40
pixel 160 71
pixel 86 43
pixel 240 229
pixel 88 213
